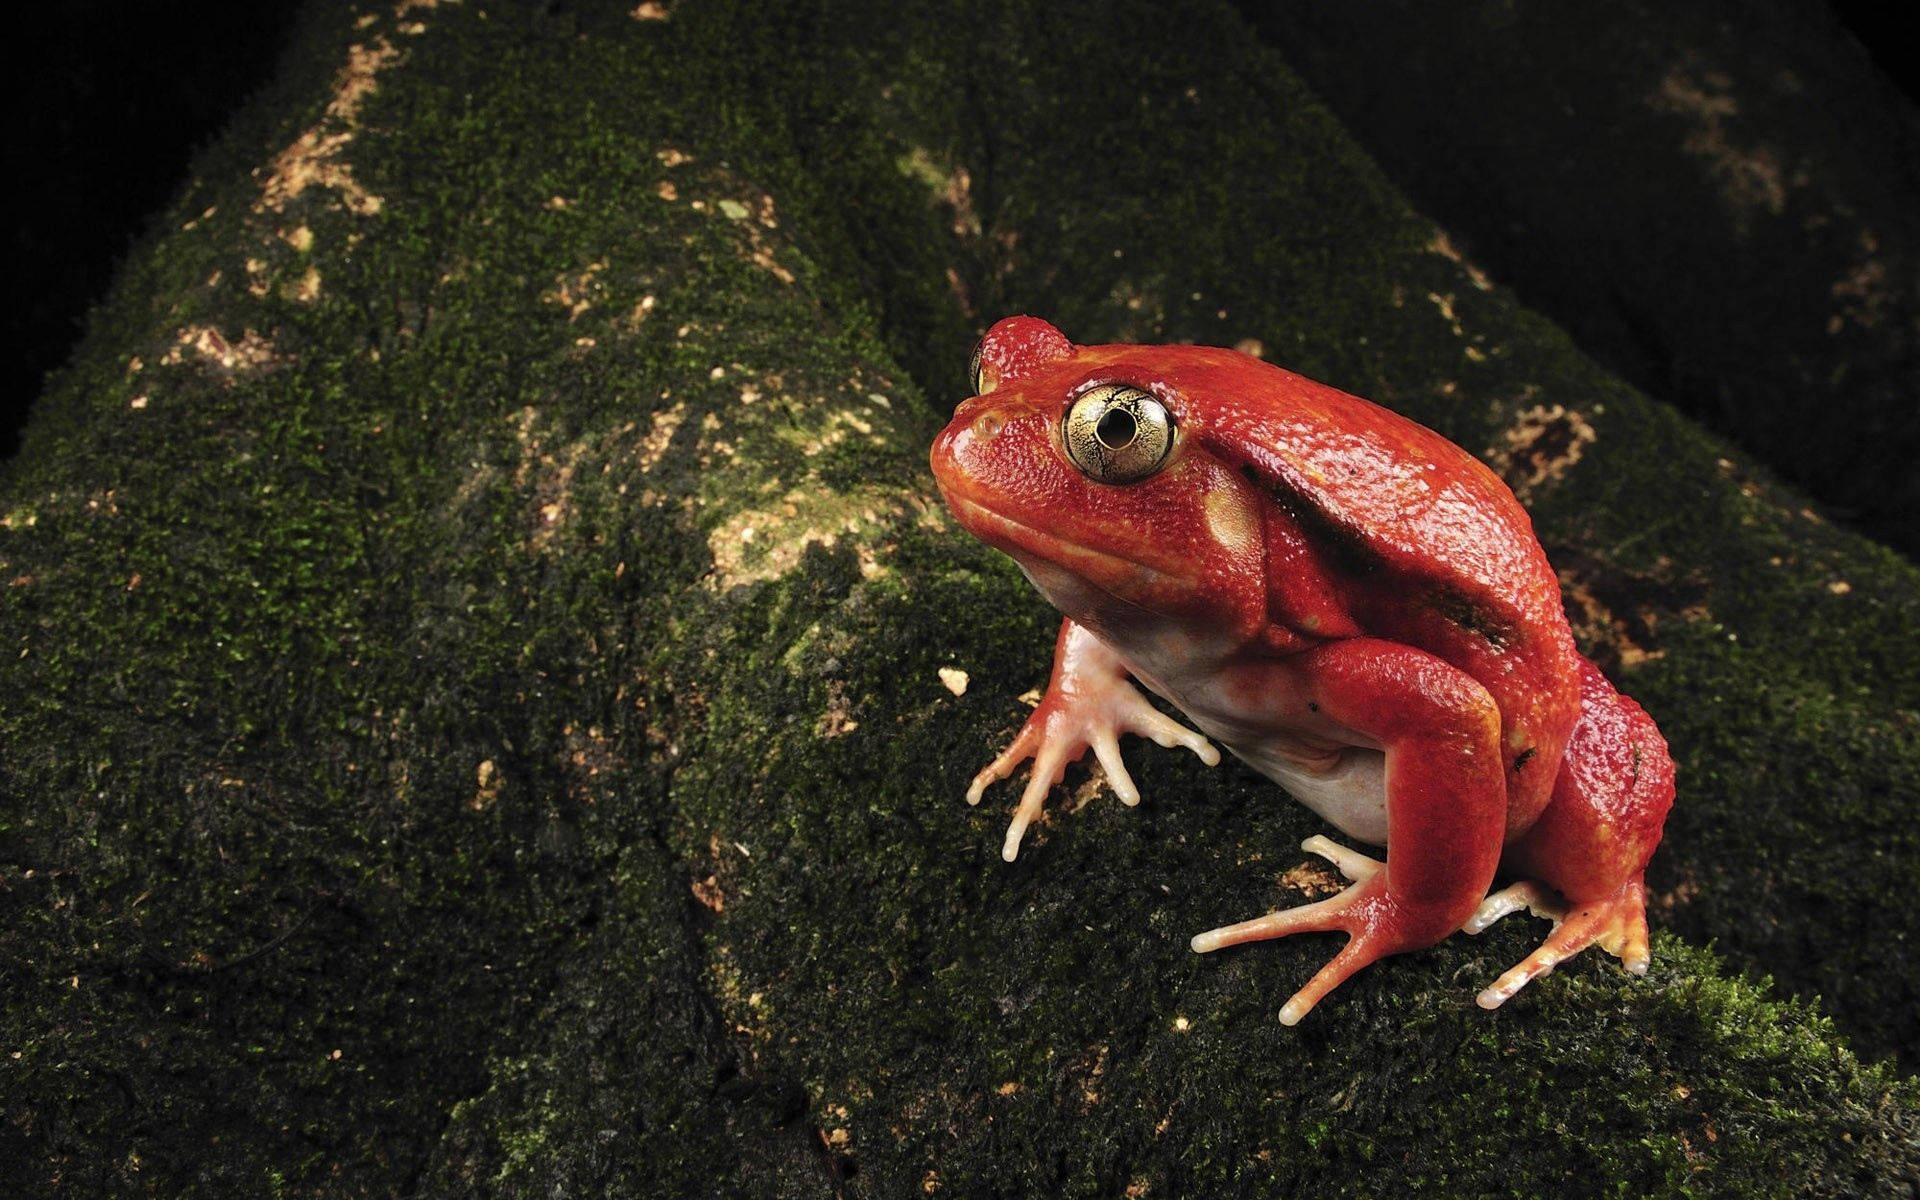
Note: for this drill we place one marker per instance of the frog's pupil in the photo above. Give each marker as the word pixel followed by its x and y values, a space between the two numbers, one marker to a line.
pixel 1116 428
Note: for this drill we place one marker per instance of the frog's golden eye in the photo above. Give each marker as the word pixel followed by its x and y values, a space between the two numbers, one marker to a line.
pixel 1118 434
pixel 974 380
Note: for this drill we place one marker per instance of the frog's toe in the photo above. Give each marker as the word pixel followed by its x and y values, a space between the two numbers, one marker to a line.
pixel 1018 751
pixel 1049 766
pixel 1107 749
pixel 1318 917
pixel 1534 897
pixel 1351 863
pixel 1616 923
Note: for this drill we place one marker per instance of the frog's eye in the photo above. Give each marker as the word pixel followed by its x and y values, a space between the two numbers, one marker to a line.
pixel 973 368
pixel 1118 434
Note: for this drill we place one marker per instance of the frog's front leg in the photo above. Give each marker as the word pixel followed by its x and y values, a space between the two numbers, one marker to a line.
pixel 1089 703
pixel 1446 808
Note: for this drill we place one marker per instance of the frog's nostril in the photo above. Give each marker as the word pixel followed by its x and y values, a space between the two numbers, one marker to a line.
pixel 987 426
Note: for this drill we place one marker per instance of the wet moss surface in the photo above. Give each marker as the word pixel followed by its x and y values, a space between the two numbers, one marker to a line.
pixel 472 711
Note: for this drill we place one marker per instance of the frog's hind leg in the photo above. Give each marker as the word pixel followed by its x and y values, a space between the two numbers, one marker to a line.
pixel 1590 846
pixel 1616 923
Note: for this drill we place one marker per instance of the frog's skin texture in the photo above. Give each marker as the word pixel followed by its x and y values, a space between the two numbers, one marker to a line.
pixel 1348 602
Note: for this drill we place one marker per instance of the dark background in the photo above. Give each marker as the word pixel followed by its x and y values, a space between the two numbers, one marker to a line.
pixel 114 98
pixel 117 95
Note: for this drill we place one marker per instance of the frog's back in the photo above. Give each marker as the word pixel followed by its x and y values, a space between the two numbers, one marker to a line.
pixel 1428 546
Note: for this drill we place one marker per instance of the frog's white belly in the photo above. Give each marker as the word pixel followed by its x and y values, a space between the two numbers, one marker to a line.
pixel 1352 797
pixel 1350 794
pixel 1258 709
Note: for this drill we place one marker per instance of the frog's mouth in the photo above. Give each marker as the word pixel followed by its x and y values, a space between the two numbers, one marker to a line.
pixel 1116 574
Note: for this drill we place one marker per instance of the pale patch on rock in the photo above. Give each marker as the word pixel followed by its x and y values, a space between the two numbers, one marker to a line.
pixel 572 290
pixel 306 289
pixel 313 158
pixel 1541 446
pixel 954 680
pixel 1864 292
pixel 487 782
pixel 763 258
pixel 1313 879
pixel 1594 623
pixel 652 10
pixel 838 720
pixel 1751 178
pixel 768 543
pixel 641 308
pixel 1445 305
pixel 1444 247
pixel 250 353
pixel 659 435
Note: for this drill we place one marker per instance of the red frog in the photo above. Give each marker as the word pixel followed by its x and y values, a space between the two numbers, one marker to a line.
pixel 1347 601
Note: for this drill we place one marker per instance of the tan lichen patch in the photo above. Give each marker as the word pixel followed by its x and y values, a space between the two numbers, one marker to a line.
pixel 574 290
pixel 1751 178
pixel 1541 446
pixel 1616 613
pixel 652 10
pixel 590 753
pixel 1313 878
pixel 1865 293
pixel 759 251
pixel 829 429
pixel 838 720
pixel 708 893
pixel 641 308
pixel 306 289
pixel 1444 247
pixel 251 353
pixel 660 430
pixel 746 1011
pixel 313 160
pixel 951 187
pixel 1679 896
pixel 761 544
pixel 487 782
pixel 553 493
pixel 1445 304
pixel 763 257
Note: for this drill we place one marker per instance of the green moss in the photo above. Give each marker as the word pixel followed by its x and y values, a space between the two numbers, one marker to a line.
pixel 522 764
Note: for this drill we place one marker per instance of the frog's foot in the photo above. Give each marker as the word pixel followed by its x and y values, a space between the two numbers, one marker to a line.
pixel 1616 923
pixel 1093 714
pixel 1376 923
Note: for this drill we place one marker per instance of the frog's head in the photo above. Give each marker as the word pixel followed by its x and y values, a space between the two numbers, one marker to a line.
pixel 1092 467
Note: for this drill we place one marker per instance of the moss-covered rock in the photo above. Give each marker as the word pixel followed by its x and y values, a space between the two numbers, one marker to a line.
pixel 1720 201
pixel 472 718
